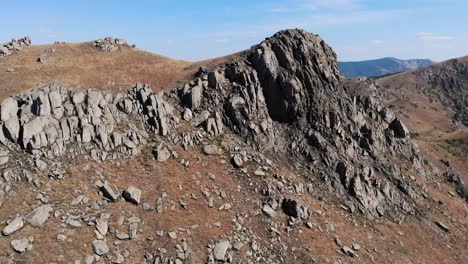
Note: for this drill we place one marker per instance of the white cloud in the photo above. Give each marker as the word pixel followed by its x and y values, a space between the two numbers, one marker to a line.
pixel 221 40
pixel 432 37
pixel 311 5
pixel 377 41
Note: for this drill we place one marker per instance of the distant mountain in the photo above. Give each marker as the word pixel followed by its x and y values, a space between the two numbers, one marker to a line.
pixel 380 67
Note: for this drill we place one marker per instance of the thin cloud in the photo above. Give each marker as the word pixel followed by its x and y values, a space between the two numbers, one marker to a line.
pixel 377 41
pixel 221 40
pixel 432 37
pixel 311 5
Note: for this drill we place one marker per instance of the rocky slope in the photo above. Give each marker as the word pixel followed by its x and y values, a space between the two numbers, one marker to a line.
pixel 444 83
pixel 380 67
pixel 238 164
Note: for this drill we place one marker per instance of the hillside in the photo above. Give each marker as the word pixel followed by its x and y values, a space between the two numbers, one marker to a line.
pixel 432 102
pixel 264 156
pixel 81 65
pixel 380 67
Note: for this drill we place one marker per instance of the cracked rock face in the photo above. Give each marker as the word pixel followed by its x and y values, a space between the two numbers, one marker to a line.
pixel 284 96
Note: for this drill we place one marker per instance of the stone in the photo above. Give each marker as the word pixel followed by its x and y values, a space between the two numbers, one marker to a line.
pixel 4 158
pixel 220 249
pixel 162 153
pixel 61 237
pixel 348 251
pixel 172 234
pixel 39 215
pixel 237 161
pixel 266 209
pixel 22 245
pixel 187 115
pixel 132 194
pixel 442 226
pixel 211 149
pixel 8 109
pixel 108 192
pixel 100 247
pixel 196 97
pixel 399 129
pixel 200 118
pixel 15 225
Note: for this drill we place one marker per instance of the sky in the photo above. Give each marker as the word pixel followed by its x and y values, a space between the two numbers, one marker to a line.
pixel 197 30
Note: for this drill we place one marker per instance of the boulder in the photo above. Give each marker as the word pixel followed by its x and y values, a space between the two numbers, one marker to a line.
pixel 237 161
pixel 220 249
pixel 22 245
pixel 100 247
pixel 399 129
pixel 108 192
pixel 132 194
pixel 8 109
pixel 15 225
pixel 39 215
pixel 211 149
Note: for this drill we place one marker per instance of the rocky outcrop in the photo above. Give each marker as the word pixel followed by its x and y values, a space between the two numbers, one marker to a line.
pixel 109 44
pixel 46 121
pixel 284 96
pixel 14 45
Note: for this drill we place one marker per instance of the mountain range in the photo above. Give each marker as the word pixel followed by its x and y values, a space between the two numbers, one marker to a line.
pixel 380 67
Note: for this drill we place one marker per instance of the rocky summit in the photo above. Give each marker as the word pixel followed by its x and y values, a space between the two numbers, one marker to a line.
pixel 265 156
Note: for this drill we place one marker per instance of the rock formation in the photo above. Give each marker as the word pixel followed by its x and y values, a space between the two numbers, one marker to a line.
pixel 14 45
pixel 284 96
pixel 109 44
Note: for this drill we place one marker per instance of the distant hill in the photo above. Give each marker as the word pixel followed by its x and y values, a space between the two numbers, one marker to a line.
pixel 380 67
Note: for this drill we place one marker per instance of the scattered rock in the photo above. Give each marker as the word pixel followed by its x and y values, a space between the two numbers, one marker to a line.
pixel 442 226
pixel 161 153
pixel 100 247
pixel 237 161
pixel 220 250
pixel 15 225
pixel 132 194
pixel 348 251
pixel 22 245
pixel 269 211
pixel 39 215
pixel 108 192
pixel 210 149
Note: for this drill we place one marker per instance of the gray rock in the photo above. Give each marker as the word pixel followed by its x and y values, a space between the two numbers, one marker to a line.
pixel 442 226
pixel 108 192
pixel 220 250
pixel 211 149
pixel 162 153
pixel 8 109
pixel 39 215
pixel 132 194
pixel 237 161
pixel 200 118
pixel 22 245
pixel 348 251
pixel 187 114
pixel 15 225
pixel 269 211
pixel 399 129
pixel 100 247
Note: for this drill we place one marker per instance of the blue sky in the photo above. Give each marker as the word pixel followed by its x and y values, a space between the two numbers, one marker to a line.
pixel 196 30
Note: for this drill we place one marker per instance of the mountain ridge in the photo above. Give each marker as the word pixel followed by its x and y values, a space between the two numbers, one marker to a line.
pixel 379 67
pixel 229 160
